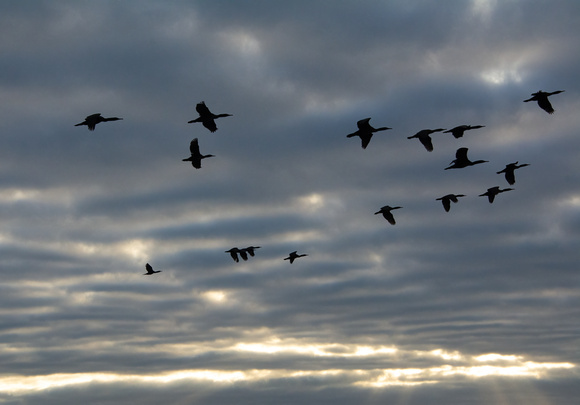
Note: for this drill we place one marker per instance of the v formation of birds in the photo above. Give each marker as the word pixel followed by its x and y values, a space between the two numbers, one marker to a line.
pixel 365 132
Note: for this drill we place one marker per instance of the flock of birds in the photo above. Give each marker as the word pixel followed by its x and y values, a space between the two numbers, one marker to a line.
pixel 365 132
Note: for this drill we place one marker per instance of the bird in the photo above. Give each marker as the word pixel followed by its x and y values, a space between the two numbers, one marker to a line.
pixel 458 131
pixel 365 131
pixel 234 254
pixel 206 117
pixel 446 200
pixel 92 120
pixel 293 256
pixel 150 270
pixel 424 137
pixel 493 191
pixel 509 171
pixel 542 98
pixel 462 161
pixel 250 250
pixel 386 211
pixel 195 157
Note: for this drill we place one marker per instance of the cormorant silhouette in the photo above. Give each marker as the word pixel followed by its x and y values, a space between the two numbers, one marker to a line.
pixel 195 157
pixel 365 131
pixel 150 270
pixel 493 191
pixel 293 256
pixel 447 199
pixel 92 120
pixel 542 98
pixel 206 117
pixel 462 161
pixel 509 171
pixel 458 131
pixel 424 137
pixel 386 211
pixel 250 250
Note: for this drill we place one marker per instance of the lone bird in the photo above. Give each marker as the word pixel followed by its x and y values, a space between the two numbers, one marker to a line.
pixel 195 157
pixel 92 120
pixel 461 160
pixel 509 171
pixel 206 117
pixel 493 191
pixel 458 131
pixel 424 137
pixel 542 98
pixel 365 131
pixel 150 270
pixel 250 250
pixel 386 211
pixel 234 254
pixel 293 256
pixel 447 199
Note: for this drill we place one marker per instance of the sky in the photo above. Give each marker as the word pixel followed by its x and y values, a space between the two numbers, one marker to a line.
pixel 478 305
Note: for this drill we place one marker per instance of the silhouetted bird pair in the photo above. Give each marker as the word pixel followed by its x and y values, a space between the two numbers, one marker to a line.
pixel 234 252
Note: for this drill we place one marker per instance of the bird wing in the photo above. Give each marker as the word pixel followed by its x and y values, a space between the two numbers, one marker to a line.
pixel 446 203
pixel 545 105
pixel 148 268
pixel 209 123
pixel 202 109
pixel 461 153
pixel 194 147
pixel 363 124
pixel 510 176
pixel 427 142
pixel 365 139
pixel 389 217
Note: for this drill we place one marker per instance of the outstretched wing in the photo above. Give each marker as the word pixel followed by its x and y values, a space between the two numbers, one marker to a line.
pixel 202 109
pixel 194 147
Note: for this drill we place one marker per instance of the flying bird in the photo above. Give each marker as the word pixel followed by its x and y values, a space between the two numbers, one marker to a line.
pixel 458 131
pixel 424 137
pixel 461 160
pixel 447 199
pixel 365 131
pixel 195 157
pixel 509 171
pixel 493 191
pixel 150 270
pixel 542 98
pixel 92 120
pixel 206 117
pixel 293 256
pixel 386 211
pixel 250 250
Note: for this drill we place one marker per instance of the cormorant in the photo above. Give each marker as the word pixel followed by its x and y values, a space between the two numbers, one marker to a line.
pixel 92 120
pixel 458 131
pixel 293 256
pixel 206 117
pixel 195 157
pixel 365 131
pixel 509 171
pixel 150 270
pixel 542 98
pixel 386 211
pixel 446 200
pixel 493 191
pixel 462 161
pixel 424 137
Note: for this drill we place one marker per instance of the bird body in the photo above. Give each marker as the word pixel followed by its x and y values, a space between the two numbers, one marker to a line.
pixel 509 171
pixel 250 250
pixel 424 137
pixel 447 199
pixel 461 160
pixel 458 131
pixel 493 191
pixel 92 120
pixel 196 156
pixel 206 117
pixel 150 270
pixel 365 131
pixel 293 256
pixel 386 211
pixel 542 98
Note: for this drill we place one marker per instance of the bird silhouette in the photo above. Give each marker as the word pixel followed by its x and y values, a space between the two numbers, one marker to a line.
pixel 509 171
pixel 234 254
pixel 461 160
pixel 206 117
pixel 195 157
pixel 150 270
pixel 92 120
pixel 250 250
pixel 386 211
pixel 293 256
pixel 424 137
pixel 447 199
pixel 365 131
pixel 493 191
pixel 542 98
pixel 458 131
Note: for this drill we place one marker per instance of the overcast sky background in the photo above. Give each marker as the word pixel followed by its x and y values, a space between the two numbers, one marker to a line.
pixel 478 305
